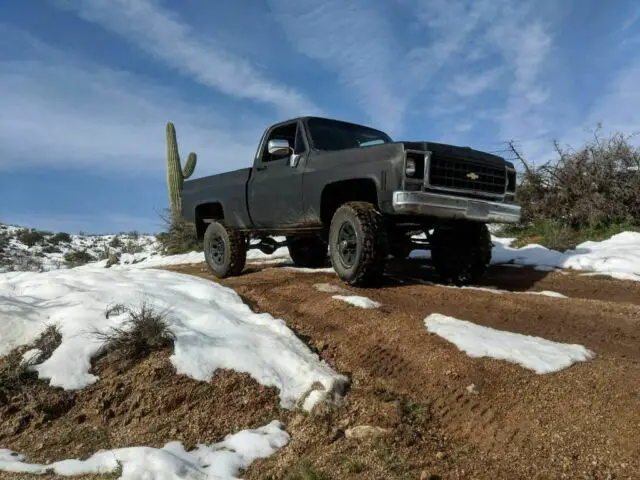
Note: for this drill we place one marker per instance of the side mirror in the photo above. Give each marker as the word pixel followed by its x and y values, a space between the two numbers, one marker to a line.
pixel 279 146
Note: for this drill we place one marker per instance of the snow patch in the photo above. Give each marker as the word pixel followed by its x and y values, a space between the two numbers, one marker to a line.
pixel 223 460
pixel 329 288
pixel 213 327
pixel 617 257
pixel 358 301
pixel 535 353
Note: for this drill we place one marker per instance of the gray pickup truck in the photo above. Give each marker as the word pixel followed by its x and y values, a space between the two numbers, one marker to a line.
pixel 350 193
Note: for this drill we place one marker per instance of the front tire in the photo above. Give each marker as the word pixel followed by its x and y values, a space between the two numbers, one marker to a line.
pixel 461 253
pixel 358 244
pixel 225 250
pixel 307 252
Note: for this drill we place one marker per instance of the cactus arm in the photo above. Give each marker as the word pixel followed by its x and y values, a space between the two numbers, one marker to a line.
pixel 190 165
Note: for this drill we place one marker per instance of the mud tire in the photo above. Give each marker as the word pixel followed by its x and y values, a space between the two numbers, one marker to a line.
pixel 225 250
pixel 369 247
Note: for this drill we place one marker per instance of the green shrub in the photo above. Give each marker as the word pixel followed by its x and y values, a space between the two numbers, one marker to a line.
pixel 131 247
pixel 51 249
pixel 60 237
pixel 30 237
pixel 4 241
pixel 116 242
pixel 77 258
pixel 557 236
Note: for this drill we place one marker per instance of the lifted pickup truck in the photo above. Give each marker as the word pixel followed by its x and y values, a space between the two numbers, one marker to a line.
pixel 351 193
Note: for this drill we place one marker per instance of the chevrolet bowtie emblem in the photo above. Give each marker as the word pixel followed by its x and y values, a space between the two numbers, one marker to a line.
pixel 473 176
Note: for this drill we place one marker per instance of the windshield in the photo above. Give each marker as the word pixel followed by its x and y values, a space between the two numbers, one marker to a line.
pixel 336 135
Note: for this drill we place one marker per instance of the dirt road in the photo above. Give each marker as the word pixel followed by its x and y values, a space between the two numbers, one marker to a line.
pixel 582 422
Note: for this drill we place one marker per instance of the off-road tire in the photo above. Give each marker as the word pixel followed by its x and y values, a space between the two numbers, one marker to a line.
pixel 234 257
pixel 308 252
pixel 461 253
pixel 371 245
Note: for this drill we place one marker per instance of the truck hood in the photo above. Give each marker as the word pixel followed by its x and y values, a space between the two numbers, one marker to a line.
pixel 453 151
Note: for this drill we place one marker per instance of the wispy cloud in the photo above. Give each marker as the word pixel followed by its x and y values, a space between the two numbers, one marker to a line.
pixel 353 40
pixel 61 113
pixel 163 35
pixel 468 84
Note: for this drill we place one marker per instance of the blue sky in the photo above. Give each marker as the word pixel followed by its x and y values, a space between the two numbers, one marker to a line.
pixel 88 85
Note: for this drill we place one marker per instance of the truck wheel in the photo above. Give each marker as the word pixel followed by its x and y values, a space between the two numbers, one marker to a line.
pixel 358 244
pixel 225 250
pixel 461 253
pixel 307 252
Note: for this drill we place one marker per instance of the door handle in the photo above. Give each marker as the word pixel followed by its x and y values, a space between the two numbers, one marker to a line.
pixel 261 168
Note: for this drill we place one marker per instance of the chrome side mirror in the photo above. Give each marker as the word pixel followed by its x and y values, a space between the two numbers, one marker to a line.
pixel 279 146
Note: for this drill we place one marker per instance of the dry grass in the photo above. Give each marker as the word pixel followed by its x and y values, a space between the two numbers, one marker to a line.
pixel 144 331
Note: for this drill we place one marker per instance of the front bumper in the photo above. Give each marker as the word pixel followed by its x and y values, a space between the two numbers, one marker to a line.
pixel 450 207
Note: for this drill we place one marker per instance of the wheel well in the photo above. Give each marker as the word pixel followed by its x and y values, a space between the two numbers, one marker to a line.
pixel 207 211
pixel 338 193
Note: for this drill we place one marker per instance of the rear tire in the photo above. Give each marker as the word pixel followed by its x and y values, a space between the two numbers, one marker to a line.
pixel 225 250
pixel 461 253
pixel 358 244
pixel 308 252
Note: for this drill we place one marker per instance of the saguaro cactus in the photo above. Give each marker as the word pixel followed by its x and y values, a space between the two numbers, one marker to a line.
pixel 175 173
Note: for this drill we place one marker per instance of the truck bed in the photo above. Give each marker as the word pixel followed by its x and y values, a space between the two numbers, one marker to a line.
pixel 230 187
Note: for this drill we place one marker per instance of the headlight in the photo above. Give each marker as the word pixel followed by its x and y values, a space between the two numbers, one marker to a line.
pixel 410 168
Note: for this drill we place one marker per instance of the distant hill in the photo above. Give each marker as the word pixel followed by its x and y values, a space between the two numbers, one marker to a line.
pixel 24 249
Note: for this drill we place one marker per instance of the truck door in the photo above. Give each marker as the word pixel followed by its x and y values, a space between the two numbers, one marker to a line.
pixel 275 187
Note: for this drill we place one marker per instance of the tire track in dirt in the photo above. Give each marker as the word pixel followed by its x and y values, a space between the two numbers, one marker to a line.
pixel 585 418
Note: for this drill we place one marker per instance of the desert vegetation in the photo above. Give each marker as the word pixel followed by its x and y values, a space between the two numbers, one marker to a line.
pixel 589 193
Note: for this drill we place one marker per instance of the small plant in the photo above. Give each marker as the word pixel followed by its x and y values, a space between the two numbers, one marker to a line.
pixel 77 258
pixel 144 331
pixel 116 242
pixel 131 247
pixel 4 241
pixel 51 249
pixel 180 237
pixel 60 237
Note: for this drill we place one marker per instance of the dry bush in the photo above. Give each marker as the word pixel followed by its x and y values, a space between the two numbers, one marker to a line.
pixel 179 237
pixel 595 186
pixel 144 331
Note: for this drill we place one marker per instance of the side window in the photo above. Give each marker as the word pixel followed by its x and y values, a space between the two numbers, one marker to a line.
pixel 286 132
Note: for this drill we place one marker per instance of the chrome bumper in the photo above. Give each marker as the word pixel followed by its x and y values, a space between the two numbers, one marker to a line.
pixel 447 206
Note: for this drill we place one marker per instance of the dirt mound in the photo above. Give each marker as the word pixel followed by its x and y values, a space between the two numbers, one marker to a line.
pixel 133 404
pixel 501 420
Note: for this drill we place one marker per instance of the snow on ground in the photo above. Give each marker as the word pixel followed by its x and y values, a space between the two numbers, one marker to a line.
pixel 618 256
pixel 222 460
pixel 358 301
pixel 329 288
pixel 535 353
pixel 214 328
pixel 497 291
